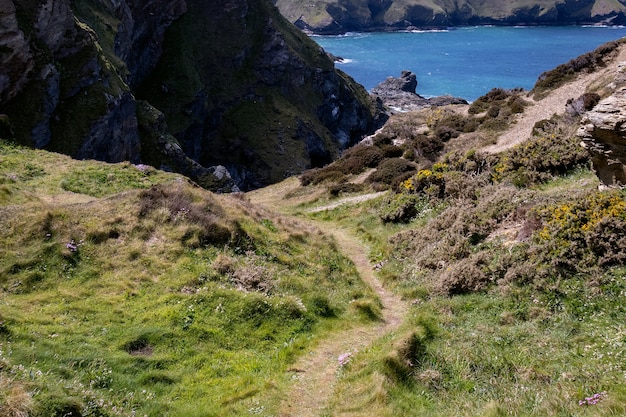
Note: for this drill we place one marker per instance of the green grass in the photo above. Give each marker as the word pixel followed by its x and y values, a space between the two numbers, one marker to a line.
pixel 114 303
pixel 536 345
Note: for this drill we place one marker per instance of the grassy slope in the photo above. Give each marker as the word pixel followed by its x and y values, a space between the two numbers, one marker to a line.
pixel 512 348
pixel 118 298
pixel 499 324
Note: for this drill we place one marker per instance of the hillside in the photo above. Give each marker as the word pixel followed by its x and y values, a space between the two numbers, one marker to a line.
pixel 340 16
pixel 511 260
pixel 183 85
pixel 129 291
pixel 423 273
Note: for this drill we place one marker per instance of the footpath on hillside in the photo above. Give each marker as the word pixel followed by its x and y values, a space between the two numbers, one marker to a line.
pixel 553 103
pixel 315 373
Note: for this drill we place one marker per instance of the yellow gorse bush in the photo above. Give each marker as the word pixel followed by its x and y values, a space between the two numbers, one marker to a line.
pixel 582 216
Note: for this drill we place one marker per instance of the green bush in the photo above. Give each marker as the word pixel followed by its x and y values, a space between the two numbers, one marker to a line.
pixel 391 171
pixel 583 233
pixel 540 159
pixel 402 207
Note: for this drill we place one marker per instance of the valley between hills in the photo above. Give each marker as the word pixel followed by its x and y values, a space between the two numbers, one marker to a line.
pixel 425 272
pixel 460 260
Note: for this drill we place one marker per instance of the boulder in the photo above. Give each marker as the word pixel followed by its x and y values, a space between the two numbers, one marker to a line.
pixel 603 134
pixel 399 94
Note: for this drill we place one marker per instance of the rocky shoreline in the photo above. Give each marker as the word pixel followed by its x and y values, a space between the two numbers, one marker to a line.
pixel 334 17
pixel 399 94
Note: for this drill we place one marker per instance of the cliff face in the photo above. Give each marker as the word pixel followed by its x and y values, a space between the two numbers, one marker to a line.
pixel 339 16
pixel 217 83
pixel 272 103
pixel 603 134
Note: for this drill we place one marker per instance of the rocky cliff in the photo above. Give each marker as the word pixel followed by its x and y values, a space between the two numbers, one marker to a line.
pixel 185 85
pixel 339 16
pixel 603 134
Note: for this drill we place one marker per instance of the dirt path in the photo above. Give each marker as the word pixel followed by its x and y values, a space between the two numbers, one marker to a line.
pixel 348 200
pixel 554 103
pixel 314 374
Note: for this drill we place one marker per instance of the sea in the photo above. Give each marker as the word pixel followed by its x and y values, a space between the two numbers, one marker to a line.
pixel 464 62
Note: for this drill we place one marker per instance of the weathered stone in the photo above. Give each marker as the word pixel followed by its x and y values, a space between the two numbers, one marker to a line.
pixel 16 58
pixel 399 94
pixel 603 134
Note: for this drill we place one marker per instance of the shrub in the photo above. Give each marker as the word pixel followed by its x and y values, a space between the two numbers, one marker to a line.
pixel 482 103
pixel 428 181
pixel 498 105
pixel 390 170
pixel 463 277
pixel 337 189
pixel 392 151
pixel 356 159
pixel 252 276
pixel 425 146
pixel 402 207
pixel 320 176
pixel 565 72
pixel 223 264
pixel 539 159
pixel 177 205
pixel 583 233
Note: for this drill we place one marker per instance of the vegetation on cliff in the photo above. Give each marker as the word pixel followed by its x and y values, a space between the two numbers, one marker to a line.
pixel 340 16
pixel 238 87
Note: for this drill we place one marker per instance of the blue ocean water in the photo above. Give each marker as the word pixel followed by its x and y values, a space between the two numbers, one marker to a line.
pixel 464 62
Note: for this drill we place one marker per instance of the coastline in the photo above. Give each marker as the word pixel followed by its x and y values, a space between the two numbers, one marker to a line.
pixel 315 34
pixel 464 61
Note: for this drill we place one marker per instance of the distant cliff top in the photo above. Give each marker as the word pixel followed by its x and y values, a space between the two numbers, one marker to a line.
pixel 340 16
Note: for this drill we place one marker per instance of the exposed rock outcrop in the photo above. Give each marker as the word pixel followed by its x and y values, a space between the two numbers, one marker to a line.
pixel 16 58
pixel 272 105
pixel 603 134
pixel 340 16
pixel 236 86
pixel 399 94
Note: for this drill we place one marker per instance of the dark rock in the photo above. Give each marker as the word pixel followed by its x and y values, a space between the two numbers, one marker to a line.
pixel 603 134
pixel 114 136
pixel 399 94
pixel 16 58
pixel 237 86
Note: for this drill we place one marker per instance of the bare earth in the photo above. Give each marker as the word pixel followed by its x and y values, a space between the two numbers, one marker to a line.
pixel 552 104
